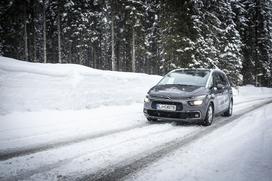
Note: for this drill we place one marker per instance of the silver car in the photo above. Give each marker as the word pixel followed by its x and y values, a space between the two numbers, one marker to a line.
pixel 190 95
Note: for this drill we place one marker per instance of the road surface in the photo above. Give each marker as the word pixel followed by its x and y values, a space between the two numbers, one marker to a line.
pixel 115 154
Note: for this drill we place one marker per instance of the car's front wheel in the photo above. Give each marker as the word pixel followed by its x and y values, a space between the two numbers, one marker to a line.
pixel 209 116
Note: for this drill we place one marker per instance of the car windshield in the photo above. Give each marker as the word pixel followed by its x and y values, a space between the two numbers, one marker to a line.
pixel 186 77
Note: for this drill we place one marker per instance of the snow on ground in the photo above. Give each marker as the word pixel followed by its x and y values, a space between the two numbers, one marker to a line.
pixel 250 92
pixel 51 104
pixel 242 151
pixel 34 87
pixel 52 101
pixel 27 129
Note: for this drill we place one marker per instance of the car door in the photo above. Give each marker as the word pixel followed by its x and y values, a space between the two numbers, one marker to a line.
pixel 218 93
pixel 226 92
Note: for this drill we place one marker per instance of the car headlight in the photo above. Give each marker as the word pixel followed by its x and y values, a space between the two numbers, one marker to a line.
pixel 196 101
pixel 146 99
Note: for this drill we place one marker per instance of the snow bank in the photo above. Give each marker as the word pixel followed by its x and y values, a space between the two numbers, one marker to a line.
pixel 250 90
pixel 32 87
pixel 249 93
pixel 28 86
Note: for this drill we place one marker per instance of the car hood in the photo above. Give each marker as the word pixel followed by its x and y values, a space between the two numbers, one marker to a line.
pixel 176 91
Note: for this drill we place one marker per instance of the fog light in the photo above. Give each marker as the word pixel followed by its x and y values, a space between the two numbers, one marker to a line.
pixel 197 115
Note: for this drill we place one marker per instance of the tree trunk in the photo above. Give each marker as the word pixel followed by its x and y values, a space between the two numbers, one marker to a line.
pixel 25 34
pixel 44 34
pixel 34 46
pixel 70 52
pixel 81 51
pixel 34 32
pixel 133 51
pixel 113 60
pixel 94 57
pixel 59 34
pixel 256 58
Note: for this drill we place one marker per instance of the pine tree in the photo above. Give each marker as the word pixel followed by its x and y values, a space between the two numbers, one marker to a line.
pixel 230 58
pixel 152 36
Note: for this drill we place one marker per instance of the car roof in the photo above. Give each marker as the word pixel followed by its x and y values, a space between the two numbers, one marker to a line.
pixel 197 69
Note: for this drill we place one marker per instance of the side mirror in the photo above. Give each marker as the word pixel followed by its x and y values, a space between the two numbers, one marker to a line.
pixel 220 86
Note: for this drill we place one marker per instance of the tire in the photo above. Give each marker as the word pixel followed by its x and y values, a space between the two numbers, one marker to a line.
pixel 209 116
pixel 229 110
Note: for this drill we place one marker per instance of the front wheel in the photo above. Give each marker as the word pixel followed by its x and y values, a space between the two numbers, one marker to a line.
pixel 229 110
pixel 209 116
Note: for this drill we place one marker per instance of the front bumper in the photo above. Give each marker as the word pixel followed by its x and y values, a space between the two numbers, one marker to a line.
pixel 184 111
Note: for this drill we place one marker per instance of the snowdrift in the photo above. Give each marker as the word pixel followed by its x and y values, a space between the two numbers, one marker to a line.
pixel 28 86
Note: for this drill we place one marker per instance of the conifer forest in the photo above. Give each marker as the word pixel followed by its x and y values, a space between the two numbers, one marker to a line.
pixel 149 36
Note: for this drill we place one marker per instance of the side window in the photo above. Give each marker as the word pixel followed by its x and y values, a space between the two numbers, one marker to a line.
pixel 226 80
pixel 223 79
pixel 217 79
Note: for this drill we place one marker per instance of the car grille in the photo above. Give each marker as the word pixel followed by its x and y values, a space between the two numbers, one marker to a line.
pixel 177 104
pixel 177 115
pixel 166 114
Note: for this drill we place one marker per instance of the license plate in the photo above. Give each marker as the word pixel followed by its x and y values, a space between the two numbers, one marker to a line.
pixel 166 107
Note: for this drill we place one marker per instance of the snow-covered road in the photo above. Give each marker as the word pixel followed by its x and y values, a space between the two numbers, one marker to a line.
pixel 115 154
pixel 240 150
pixel 69 122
